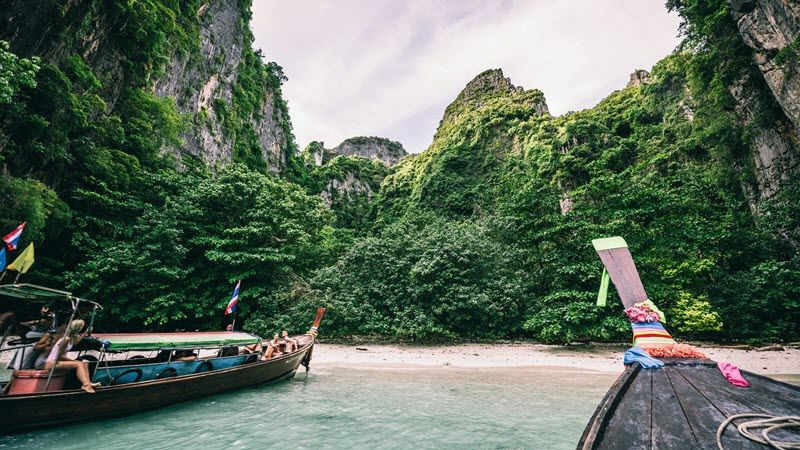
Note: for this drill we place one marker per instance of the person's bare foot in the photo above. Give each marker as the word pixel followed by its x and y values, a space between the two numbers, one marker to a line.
pixel 88 388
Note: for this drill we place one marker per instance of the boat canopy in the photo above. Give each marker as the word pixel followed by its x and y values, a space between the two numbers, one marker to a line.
pixel 157 341
pixel 36 293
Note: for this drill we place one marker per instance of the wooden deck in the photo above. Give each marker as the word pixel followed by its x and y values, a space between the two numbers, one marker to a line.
pixel 681 406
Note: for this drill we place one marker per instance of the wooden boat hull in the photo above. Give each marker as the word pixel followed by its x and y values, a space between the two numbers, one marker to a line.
pixel 681 406
pixel 21 412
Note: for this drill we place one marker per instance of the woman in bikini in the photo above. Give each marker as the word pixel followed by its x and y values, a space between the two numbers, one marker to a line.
pixel 57 355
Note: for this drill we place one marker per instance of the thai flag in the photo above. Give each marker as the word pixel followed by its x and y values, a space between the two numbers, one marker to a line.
pixel 234 299
pixel 12 239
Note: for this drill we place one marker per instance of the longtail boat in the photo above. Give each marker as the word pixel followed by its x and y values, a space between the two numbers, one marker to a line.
pixel 686 403
pixel 139 381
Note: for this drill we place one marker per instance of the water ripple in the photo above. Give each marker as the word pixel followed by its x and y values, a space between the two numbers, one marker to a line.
pixel 374 408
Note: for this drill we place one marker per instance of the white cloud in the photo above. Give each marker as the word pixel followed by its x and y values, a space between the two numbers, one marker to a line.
pixel 389 68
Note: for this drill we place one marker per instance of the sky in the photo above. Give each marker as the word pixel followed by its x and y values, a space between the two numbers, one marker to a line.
pixel 390 67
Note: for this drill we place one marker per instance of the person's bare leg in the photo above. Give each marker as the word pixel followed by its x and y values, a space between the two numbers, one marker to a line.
pixel 87 377
pixel 80 371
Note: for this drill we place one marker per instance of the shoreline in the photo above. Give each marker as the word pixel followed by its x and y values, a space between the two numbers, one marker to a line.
pixel 594 357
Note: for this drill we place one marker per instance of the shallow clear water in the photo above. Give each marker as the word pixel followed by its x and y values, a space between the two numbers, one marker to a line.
pixel 347 407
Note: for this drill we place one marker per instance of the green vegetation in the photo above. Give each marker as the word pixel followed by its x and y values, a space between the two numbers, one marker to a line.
pixel 15 73
pixel 185 254
pixel 484 235
pixel 647 163
pixel 351 207
pixel 111 215
pixel 425 278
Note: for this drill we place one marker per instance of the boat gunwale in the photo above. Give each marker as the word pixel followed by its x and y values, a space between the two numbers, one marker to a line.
pixel 594 431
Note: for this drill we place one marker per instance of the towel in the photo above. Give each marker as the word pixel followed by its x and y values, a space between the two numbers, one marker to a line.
pixel 732 374
pixel 637 354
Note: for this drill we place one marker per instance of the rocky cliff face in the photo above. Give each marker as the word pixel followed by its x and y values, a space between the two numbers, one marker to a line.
pixel 199 65
pixel 774 149
pixel 375 148
pixel 771 28
pixel 346 183
pixel 348 189
pixel 488 85
pixel 202 82
pixel 473 143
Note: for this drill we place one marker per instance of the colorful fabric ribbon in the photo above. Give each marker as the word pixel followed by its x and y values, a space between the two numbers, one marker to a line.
pixel 637 314
pixel 652 306
pixel 650 333
pixel 657 342
pixel 645 311
pixel 602 294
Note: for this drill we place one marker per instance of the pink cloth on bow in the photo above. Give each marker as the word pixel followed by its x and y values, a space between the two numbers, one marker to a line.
pixel 732 374
pixel 640 314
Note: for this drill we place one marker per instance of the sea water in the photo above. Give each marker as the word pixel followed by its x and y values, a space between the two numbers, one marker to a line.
pixel 361 407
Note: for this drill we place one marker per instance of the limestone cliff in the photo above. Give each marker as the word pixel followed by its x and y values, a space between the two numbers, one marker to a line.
pixel 203 81
pixel 476 138
pixel 198 53
pixel 771 29
pixel 371 147
pixel 346 183
pixel 488 85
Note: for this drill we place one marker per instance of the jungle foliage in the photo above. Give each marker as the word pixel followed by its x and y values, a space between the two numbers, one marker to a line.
pixel 655 163
pixel 485 235
pixel 112 215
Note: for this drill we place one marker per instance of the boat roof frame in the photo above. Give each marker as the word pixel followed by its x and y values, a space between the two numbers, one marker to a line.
pixel 191 340
pixel 34 292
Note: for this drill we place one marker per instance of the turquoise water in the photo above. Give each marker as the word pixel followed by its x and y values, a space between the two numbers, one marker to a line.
pixel 347 407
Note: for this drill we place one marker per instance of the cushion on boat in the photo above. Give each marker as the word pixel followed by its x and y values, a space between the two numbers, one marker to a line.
pixel 30 381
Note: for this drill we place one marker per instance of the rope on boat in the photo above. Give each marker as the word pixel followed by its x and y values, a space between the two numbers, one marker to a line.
pixel 769 424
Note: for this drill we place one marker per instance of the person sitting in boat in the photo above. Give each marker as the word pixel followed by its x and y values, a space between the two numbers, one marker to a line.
pixel 273 348
pixel 163 356
pixel 185 355
pixel 248 349
pixel 44 345
pixel 42 325
pixel 290 344
pixel 57 356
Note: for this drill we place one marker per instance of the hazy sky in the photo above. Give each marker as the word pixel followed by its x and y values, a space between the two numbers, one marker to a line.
pixel 390 67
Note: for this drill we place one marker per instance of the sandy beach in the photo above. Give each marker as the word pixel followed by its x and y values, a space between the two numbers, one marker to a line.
pixel 600 357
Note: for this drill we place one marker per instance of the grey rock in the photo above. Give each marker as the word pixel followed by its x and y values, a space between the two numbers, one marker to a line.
pixel 638 78
pixel 375 148
pixel 198 80
pixel 202 79
pixel 349 187
pixel 768 26
pixel 775 150
pixel 371 147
